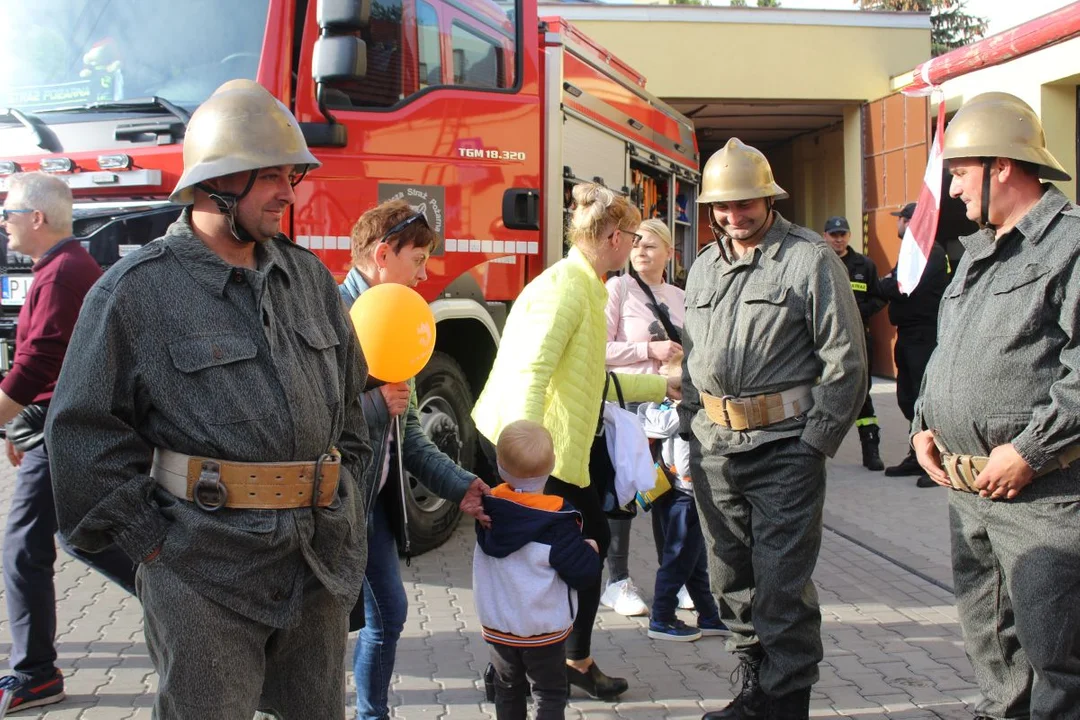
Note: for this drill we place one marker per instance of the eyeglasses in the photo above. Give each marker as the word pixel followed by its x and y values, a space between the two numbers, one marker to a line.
pixel 5 213
pixel 418 217
pixel 636 237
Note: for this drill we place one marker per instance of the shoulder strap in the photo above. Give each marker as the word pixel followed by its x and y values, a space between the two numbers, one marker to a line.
pixel 608 379
pixel 661 314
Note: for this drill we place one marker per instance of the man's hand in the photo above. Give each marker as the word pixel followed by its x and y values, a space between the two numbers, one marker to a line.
pixel 473 502
pixel 1005 475
pixel 14 456
pixel 592 543
pixel 664 350
pixel 927 454
pixel 396 397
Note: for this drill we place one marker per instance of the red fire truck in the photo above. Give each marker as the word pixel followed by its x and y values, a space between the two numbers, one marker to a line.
pixel 478 112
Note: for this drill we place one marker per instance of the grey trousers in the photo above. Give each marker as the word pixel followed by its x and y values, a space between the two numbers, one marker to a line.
pixel 1016 566
pixel 761 512
pixel 215 664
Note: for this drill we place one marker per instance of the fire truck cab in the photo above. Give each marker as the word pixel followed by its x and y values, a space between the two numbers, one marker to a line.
pixel 477 112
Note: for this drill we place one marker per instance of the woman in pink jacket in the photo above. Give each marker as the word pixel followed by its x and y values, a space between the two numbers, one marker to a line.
pixel 638 343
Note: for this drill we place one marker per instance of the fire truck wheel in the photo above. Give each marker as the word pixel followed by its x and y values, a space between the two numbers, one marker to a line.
pixel 444 402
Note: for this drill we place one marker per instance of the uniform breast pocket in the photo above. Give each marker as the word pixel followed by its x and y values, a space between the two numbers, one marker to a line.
pixel 319 343
pixel 1018 302
pixel 221 374
pixel 768 303
pixel 699 307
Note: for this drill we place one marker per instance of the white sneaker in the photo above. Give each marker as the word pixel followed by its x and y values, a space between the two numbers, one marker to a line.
pixel 624 598
pixel 685 603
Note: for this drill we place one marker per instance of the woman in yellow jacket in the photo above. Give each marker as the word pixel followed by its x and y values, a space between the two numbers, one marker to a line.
pixel 550 369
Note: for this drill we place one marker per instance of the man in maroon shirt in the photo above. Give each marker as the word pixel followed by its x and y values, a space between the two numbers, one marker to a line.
pixel 37 220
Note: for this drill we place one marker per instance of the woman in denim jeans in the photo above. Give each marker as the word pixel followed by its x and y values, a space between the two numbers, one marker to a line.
pixel 391 244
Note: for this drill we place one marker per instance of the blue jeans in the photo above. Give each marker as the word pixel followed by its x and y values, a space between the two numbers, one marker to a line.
pixel 29 556
pixel 385 608
pixel 680 551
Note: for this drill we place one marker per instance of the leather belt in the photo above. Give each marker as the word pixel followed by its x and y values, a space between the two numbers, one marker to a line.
pixel 757 411
pixel 213 484
pixel 964 470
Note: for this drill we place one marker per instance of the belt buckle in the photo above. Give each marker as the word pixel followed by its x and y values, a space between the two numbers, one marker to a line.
pixel 724 400
pixel 209 493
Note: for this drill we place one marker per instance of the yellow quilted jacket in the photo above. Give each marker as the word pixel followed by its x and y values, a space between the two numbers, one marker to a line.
pixel 550 366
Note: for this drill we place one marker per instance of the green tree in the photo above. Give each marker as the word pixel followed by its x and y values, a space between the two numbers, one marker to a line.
pixel 738 3
pixel 950 24
pixel 687 2
pixel 768 3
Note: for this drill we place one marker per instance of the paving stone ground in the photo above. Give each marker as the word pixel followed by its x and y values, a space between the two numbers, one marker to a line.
pixel 892 643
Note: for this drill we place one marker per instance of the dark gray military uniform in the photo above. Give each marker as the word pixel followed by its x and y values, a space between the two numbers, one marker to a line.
pixel 781 316
pixel 176 349
pixel 1006 371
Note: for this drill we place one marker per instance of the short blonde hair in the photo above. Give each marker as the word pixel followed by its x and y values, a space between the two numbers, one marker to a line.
pixel 525 450
pixel 596 207
pixel 658 228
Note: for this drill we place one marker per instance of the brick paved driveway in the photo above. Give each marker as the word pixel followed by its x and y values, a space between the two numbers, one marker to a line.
pixel 892 643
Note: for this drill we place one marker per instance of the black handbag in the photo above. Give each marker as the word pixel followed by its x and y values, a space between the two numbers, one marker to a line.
pixel 601 469
pixel 27 429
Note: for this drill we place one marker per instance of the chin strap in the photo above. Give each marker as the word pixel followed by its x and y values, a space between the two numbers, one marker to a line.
pixel 226 205
pixel 984 212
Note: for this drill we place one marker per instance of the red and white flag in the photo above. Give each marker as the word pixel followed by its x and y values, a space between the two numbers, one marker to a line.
pixel 919 236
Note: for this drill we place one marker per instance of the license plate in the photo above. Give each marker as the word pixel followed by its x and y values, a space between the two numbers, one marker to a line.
pixel 15 288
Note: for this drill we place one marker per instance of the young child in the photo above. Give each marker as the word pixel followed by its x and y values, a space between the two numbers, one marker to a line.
pixel 680 544
pixel 526 569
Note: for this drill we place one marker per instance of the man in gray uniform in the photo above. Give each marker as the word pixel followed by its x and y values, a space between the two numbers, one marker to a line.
pixel 998 418
pixel 774 377
pixel 208 420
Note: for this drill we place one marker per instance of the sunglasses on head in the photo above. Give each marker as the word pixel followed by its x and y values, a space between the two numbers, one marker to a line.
pixel 418 217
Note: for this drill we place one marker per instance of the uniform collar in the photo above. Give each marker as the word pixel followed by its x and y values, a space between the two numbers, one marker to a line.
pixel 769 245
pixel 1032 226
pixel 1035 223
pixel 206 267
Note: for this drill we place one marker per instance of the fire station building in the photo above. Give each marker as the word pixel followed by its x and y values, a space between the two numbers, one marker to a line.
pixel 818 91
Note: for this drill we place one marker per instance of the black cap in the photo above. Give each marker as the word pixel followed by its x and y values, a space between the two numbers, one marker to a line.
pixel 837 224
pixel 907 213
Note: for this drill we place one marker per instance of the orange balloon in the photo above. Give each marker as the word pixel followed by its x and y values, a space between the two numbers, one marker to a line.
pixel 396 331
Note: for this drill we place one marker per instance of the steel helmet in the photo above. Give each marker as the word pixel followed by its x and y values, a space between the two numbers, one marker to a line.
pixel 997 124
pixel 240 127
pixel 738 172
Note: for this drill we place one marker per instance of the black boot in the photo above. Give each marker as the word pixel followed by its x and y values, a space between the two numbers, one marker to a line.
pixel 596 683
pixel 793 706
pixel 751 702
pixel 489 682
pixel 870 436
pixel 907 466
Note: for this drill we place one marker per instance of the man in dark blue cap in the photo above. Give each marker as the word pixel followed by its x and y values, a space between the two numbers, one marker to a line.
pixel 864 280
pixel 915 318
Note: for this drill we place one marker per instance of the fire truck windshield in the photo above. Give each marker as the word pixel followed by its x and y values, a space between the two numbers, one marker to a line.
pixel 64 54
